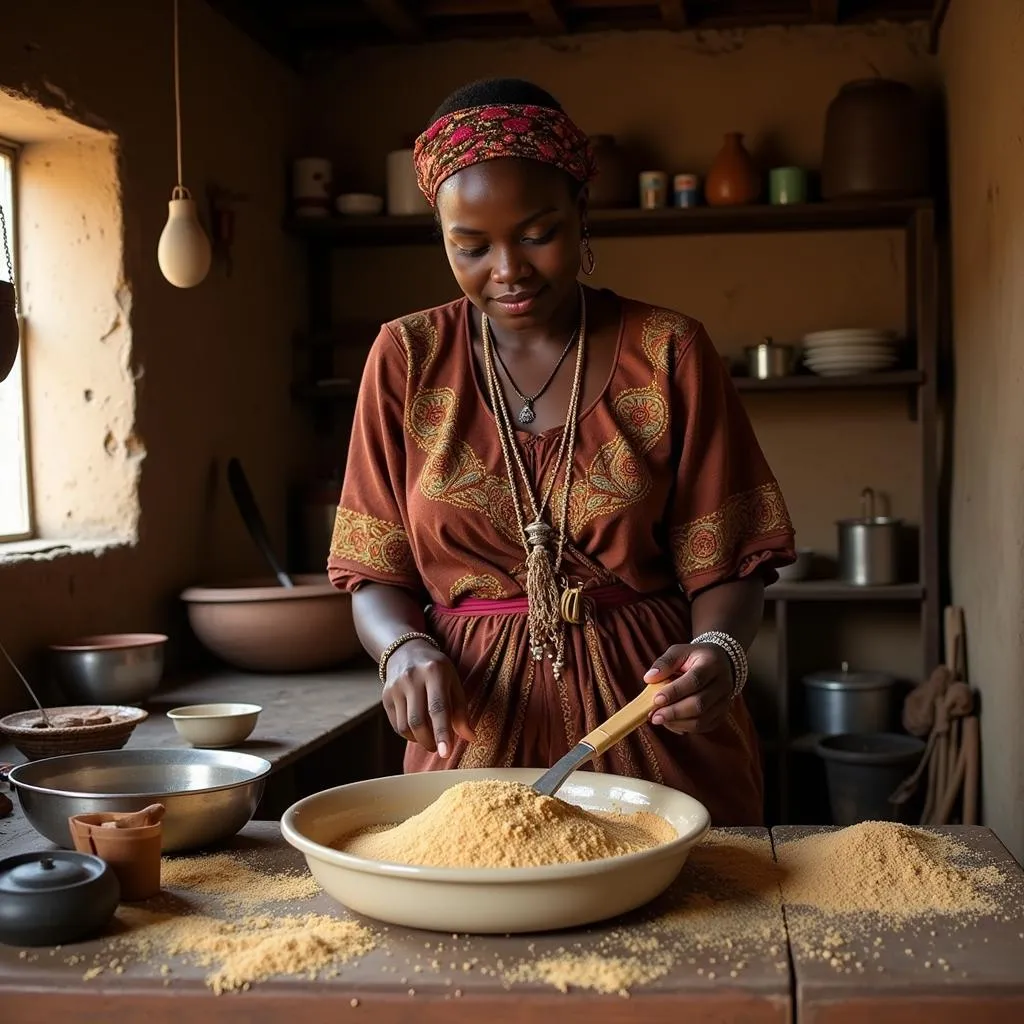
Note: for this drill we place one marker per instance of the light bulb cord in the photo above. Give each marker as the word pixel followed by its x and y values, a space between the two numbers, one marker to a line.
pixel 180 189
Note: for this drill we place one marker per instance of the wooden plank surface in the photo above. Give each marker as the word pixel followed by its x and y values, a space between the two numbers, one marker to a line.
pixel 420 229
pixel 940 972
pixel 300 712
pixel 725 963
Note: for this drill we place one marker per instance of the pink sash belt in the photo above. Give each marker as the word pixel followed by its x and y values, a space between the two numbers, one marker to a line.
pixel 612 596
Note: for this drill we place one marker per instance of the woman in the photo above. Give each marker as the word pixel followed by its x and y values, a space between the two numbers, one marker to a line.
pixel 565 478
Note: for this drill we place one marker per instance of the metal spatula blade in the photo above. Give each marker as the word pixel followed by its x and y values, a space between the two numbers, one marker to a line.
pixel 620 725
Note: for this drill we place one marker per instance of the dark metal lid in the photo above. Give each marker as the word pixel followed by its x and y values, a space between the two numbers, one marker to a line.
pixel 844 679
pixel 43 873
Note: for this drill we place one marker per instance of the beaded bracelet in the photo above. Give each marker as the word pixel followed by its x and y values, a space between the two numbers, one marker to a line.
pixel 382 665
pixel 737 656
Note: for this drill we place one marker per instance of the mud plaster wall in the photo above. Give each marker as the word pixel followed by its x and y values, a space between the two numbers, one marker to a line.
pixel 982 56
pixel 669 98
pixel 214 362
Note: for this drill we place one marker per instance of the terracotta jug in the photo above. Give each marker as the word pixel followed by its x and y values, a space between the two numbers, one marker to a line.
pixel 734 179
pixel 876 143
pixel 613 186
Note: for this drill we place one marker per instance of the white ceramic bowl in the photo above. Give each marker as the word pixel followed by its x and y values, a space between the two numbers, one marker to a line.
pixel 359 204
pixel 493 900
pixel 215 725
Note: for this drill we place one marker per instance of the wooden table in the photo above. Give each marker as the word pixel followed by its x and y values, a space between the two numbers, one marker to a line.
pixel 927 973
pixel 775 979
pixel 300 712
pixel 398 981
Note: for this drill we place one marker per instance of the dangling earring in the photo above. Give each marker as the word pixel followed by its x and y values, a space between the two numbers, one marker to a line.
pixel 589 261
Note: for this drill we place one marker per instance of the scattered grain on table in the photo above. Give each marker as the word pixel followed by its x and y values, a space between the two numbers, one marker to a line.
pixel 233 880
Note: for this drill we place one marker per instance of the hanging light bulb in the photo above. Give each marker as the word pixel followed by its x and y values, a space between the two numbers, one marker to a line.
pixel 184 251
pixel 9 333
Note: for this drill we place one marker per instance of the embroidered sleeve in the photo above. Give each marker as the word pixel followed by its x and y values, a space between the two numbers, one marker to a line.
pixel 371 542
pixel 727 515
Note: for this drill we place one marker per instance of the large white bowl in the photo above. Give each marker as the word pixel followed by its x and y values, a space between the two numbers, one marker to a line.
pixel 493 900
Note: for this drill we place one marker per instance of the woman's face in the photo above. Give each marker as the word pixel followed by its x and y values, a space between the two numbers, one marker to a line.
pixel 512 231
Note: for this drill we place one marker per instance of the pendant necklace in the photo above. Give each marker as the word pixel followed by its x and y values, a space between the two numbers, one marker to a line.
pixel 526 414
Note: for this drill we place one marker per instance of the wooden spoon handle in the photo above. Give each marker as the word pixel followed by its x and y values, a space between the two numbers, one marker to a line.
pixel 624 721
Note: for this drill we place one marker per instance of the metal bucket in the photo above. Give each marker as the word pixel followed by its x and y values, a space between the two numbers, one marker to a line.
pixel 864 771
pixel 869 552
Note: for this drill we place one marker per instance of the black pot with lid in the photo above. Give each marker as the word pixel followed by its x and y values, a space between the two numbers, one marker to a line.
pixel 55 897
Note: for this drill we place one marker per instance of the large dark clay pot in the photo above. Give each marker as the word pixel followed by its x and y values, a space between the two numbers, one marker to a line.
pixel 876 142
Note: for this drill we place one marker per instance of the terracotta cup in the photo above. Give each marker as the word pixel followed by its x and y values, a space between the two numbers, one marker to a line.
pixel 133 853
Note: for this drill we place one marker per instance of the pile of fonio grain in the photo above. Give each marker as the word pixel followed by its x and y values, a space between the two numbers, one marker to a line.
pixel 243 925
pixel 492 824
pixel 849 891
pixel 891 871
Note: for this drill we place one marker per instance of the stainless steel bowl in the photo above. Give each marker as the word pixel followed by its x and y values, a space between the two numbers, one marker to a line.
pixel 209 794
pixel 122 668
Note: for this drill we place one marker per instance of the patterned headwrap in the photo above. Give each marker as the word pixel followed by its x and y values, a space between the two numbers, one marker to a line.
pixel 476 134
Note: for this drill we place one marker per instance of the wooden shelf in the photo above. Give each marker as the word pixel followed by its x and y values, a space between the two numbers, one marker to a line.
pixel 420 229
pixel 883 380
pixel 834 590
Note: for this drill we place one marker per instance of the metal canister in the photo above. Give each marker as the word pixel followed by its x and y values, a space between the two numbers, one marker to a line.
pixel 653 190
pixel 686 190
pixel 869 548
pixel 849 702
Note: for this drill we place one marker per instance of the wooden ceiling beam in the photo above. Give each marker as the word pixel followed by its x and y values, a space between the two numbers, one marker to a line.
pixel 546 16
pixel 673 13
pixel 396 17
pixel 825 11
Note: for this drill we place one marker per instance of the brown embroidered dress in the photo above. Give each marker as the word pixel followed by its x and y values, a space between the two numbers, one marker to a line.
pixel 670 494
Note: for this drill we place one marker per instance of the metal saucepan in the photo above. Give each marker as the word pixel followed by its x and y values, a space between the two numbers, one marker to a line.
pixel 768 360
pixel 208 794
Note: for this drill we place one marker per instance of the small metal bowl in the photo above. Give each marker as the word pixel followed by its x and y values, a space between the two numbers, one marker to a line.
pixel 208 794
pixel 119 668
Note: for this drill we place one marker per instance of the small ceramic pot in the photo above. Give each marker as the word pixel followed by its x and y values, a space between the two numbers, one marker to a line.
pixel 132 853
pixel 787 185
pixel 55 898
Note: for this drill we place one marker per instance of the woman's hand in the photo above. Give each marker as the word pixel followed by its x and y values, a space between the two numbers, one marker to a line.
pixel 424 698
pixel 699 691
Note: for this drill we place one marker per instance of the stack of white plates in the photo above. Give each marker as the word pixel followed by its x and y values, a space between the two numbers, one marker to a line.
pixel 853 350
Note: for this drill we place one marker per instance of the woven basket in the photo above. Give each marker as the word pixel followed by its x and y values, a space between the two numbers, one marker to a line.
pixel 36 743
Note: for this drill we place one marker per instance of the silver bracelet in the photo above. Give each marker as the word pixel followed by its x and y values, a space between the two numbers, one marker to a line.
pixel 737 656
